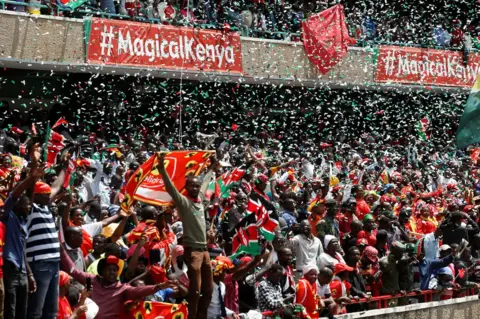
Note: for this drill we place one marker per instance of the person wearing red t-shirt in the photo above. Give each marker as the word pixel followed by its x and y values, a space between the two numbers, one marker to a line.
pixel 362 208
pixel 347 217
pixel 306 292
pixel 369 232
pixel 425 223
pixel 340 287
pixel 64 309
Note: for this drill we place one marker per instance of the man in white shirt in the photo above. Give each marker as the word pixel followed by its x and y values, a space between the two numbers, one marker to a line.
pixel 306 248
pixel 217 308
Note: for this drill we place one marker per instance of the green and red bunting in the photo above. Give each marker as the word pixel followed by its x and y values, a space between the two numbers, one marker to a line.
pixel 422 128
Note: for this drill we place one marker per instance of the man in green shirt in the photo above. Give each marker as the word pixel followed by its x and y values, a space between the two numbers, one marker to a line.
pixel 192 213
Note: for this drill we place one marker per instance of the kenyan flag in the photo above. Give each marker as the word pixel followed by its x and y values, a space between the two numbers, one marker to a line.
pixel 265 224
pixel 245 239
pixel 258 222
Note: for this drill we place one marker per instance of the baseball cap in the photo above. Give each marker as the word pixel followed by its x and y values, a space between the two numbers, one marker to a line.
pixel 341 268
pixel 445 247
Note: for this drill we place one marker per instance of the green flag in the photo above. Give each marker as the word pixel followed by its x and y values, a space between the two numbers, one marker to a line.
pixel 469 128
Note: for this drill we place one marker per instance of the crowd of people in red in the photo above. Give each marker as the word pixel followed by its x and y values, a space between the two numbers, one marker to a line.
pixel 364 222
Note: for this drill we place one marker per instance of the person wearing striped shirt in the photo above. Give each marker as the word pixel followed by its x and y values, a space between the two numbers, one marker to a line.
pixel 43 255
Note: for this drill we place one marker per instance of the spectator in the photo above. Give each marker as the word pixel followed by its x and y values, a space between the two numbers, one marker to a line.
pixel 108 299
pixel 329 224
pixel 289 212
pixel 305 247
pixel 454 231
pixel 269 292
pixel 192 214
pixel 99 242
pixel 389 269
pixel 43 255
pixel 331 256
pixel 306 293
pixel 369 230
pixel 350 239
pixel 340 287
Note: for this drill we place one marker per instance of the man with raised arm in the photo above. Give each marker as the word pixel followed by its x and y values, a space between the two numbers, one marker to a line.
pixel 192 213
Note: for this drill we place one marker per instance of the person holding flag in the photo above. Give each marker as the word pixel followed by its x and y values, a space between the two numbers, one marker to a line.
pixel 192 214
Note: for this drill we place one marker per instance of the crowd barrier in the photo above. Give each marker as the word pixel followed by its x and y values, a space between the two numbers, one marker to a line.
pixel 383 301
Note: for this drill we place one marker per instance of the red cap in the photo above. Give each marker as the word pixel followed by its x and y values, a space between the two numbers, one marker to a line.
pixel 341 268
pixel 42 188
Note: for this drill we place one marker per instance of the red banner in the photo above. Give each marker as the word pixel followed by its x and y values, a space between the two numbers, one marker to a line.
pixel 162 46
pixel 146 184
pixel 156 310
pixel 426 66
pixel 325 38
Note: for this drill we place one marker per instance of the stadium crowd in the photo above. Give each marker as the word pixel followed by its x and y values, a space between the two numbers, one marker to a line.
pixel 353 221
pixel 432 24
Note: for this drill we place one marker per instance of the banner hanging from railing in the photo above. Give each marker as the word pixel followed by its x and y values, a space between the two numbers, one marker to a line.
pixel 115 42
pixel 427 66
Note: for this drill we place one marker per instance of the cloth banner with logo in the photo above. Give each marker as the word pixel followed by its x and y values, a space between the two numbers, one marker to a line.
pixel 155 310
pixel 426 66
pixel 128 43
pixel 146 183
pixel 325 38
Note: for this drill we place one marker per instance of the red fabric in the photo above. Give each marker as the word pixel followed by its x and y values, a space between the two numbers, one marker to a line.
pixel 56 143
pixel 158 274
pixel 64 309
pixel 231 293
pixel 344 222
pixel 306 295
pixel 325 38
pixel 42 188
pixel 457 38
pixel 371 237
pixel 61 121
pixel 426 225
pixel 362 209
pixel 151 310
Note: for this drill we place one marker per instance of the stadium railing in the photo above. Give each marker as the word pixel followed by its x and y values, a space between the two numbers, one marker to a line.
pixel 383 301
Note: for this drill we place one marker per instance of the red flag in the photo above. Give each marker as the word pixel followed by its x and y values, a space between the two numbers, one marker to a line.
pixel 146 184
pixel 68 172
pixel 233 176
pixel 234 126
pixel 325 38
pixel 61 121
pixel 153 310
pixel 55 145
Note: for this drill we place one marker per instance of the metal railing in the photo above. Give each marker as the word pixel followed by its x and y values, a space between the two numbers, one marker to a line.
pixel 383 301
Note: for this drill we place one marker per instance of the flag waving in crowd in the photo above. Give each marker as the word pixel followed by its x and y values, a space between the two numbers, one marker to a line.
pixel 147 185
